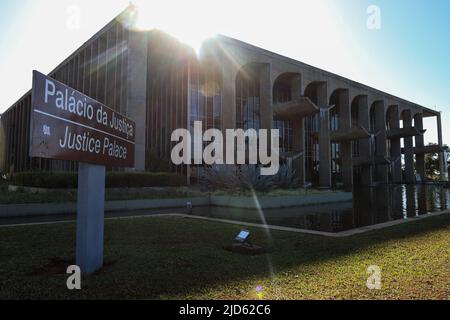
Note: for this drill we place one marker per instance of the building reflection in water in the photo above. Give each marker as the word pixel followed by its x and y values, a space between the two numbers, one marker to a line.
pixel 370 206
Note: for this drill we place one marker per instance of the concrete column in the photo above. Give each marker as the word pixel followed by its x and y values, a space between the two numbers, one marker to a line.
pixel 137 92
pixel 421 200
pixel 345 119
pixel 324 138
pixel 299 144
pixel 381 141
pixel 411 201
pixel 409 151
pixel 298 131
pixel 443 199
pixel 396 152
pixel 442 160
pixel 364 145
pixel 265 98
pixel 420 158
pixel 397 205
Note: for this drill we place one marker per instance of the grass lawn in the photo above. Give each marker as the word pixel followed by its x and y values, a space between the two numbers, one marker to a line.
pixel 176 258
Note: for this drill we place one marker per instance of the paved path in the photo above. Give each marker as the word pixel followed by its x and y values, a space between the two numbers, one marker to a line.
pixel 72 217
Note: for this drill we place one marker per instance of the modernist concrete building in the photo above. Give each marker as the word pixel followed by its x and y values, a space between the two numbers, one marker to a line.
pixel 345 131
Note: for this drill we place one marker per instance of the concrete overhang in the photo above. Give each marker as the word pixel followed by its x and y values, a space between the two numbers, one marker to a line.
pixel 371 161
pixel 354 133
pixel 427 149
pixel 398 133
pixel 427 113
pixel 298 108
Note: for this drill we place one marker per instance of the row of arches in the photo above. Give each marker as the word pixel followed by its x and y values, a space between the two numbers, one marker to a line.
pixel 343 111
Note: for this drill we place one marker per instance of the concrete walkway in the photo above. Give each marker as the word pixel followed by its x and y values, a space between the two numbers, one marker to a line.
pixel 153 213
pixel 48 219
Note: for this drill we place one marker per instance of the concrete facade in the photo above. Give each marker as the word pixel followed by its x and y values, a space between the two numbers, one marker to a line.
pixel 344 131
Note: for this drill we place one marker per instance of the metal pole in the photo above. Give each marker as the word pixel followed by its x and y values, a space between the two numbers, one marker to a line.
pixel 90 217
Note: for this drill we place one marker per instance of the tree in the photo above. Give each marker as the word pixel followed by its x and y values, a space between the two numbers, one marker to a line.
pixel 432 163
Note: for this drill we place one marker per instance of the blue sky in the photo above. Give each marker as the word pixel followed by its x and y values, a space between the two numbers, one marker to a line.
pixel 408 57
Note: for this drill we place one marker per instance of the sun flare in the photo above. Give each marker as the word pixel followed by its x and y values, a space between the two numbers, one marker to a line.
pixel 185 24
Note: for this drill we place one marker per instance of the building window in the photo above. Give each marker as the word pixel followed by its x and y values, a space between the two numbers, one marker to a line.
pixel 286 134
pixel 247 100
pixel 206 97
pixel 282 94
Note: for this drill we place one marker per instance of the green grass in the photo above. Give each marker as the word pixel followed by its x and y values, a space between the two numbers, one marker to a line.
pixel 21 197
pixel 175 258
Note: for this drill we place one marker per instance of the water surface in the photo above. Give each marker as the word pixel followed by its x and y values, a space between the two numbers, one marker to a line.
pixel 370 206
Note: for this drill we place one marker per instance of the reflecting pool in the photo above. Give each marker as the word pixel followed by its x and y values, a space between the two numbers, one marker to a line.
pixel 370 206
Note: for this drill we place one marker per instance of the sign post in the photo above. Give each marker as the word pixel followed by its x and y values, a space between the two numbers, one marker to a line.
pixel 68 125
pixel 90 217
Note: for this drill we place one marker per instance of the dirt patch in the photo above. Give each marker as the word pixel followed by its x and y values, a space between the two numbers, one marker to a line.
pixel 245 249
pixel 58 267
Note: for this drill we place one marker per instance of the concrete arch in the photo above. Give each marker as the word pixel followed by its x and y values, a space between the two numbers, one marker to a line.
pixel 341 112
pixel 278 71
pixel 358 98
pixel 360 111
pixel 334 94
pixel 336 85
pixel 286 87
pixel 392 115
pixel 316 91
pixel 405 114
pixel 405 108
pixel 355 94
pixel 377 115
pixel 308 82
pixel 376 99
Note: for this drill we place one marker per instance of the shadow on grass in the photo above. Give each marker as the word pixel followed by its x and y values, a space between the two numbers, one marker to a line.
pixel 169 257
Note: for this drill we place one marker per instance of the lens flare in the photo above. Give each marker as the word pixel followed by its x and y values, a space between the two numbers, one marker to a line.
pixel 188 29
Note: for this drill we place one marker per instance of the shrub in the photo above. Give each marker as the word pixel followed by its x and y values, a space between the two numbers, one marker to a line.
pixel 245 177
pixel 59 180
pixel 68 180
pixel 220 177
pixel 285 178
pixel 155 163
pixel 252 179
pixel 144 179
